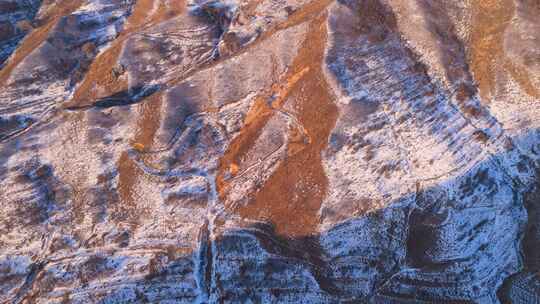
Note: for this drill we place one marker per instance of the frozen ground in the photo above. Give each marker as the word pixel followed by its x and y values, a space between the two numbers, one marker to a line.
pixel 269 151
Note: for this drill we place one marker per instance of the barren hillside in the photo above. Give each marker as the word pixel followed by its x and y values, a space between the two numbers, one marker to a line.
pixel 269 151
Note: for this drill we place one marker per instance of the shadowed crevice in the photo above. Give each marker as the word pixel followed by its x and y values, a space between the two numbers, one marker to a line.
pixel 123 98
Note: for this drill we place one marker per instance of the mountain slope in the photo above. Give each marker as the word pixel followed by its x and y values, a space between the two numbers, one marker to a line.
pixel 272 151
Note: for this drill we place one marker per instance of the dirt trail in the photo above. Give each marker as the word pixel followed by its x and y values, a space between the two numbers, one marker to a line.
pixel 149 111
pixel 101 76
pixel 291 198
pixel 129 172
pixel 301 15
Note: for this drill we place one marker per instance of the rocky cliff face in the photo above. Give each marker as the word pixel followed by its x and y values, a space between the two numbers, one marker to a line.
pixel 269 151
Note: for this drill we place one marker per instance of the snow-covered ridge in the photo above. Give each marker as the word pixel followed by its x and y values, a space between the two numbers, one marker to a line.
pixel 268 151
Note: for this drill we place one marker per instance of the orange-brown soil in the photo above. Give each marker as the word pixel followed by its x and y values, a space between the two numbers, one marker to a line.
pixel 487 55
pixel 38 36
pixel 100 74
pixel 291 198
